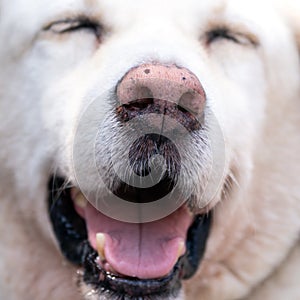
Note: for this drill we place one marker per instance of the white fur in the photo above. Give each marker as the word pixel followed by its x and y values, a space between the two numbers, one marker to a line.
pixel 47 81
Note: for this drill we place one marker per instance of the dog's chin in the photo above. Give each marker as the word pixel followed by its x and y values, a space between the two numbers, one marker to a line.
pixel 118 260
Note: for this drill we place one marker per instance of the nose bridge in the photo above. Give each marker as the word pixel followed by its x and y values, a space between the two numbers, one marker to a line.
pixel 150 27
pixel 155 17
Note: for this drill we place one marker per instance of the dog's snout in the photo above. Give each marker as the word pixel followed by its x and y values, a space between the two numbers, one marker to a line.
pixel 162 89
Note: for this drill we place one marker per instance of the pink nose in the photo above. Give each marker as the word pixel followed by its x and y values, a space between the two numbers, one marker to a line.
pixel 159 88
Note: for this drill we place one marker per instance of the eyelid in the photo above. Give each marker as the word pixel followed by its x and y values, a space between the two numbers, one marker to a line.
pixel 61 25
pixel 72 24
pixel 240 38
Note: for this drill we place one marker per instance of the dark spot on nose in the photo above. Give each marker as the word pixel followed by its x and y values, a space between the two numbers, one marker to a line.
pixel 147 71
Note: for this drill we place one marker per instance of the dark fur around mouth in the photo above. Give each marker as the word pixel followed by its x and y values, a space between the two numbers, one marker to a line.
pixel 71 234
pixel 140 154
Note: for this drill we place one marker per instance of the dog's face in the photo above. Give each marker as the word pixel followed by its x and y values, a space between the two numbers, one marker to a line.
pixel 126 104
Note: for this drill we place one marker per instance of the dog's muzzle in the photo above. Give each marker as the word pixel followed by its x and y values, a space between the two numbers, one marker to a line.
pixel 144 260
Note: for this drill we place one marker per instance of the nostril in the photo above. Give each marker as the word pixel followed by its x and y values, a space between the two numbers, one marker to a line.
pixel 132 91
pixel 190 101
pixel 139 105
pixel 142 92
pixel 182 109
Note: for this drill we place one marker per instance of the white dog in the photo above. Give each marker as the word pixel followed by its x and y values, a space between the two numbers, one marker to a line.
pixel 178 121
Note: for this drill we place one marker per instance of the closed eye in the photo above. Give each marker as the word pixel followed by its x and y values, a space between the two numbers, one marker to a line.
pixel 224 33
pixel 73 25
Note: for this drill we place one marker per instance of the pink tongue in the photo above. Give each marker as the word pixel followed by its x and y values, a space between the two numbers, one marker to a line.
pixel 148 250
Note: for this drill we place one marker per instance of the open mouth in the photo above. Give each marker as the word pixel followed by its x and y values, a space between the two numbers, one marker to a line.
pixel 139 261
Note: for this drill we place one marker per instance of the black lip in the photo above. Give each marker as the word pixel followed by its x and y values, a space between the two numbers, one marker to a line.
pixel 71 234
pixel 132 287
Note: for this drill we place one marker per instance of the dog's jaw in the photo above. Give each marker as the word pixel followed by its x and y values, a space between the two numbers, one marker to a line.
pixel 80 244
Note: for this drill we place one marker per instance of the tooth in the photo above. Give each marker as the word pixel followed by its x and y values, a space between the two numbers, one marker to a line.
pixel 181 248
pixel 112 270
pixel 100 242
pixel 80 200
